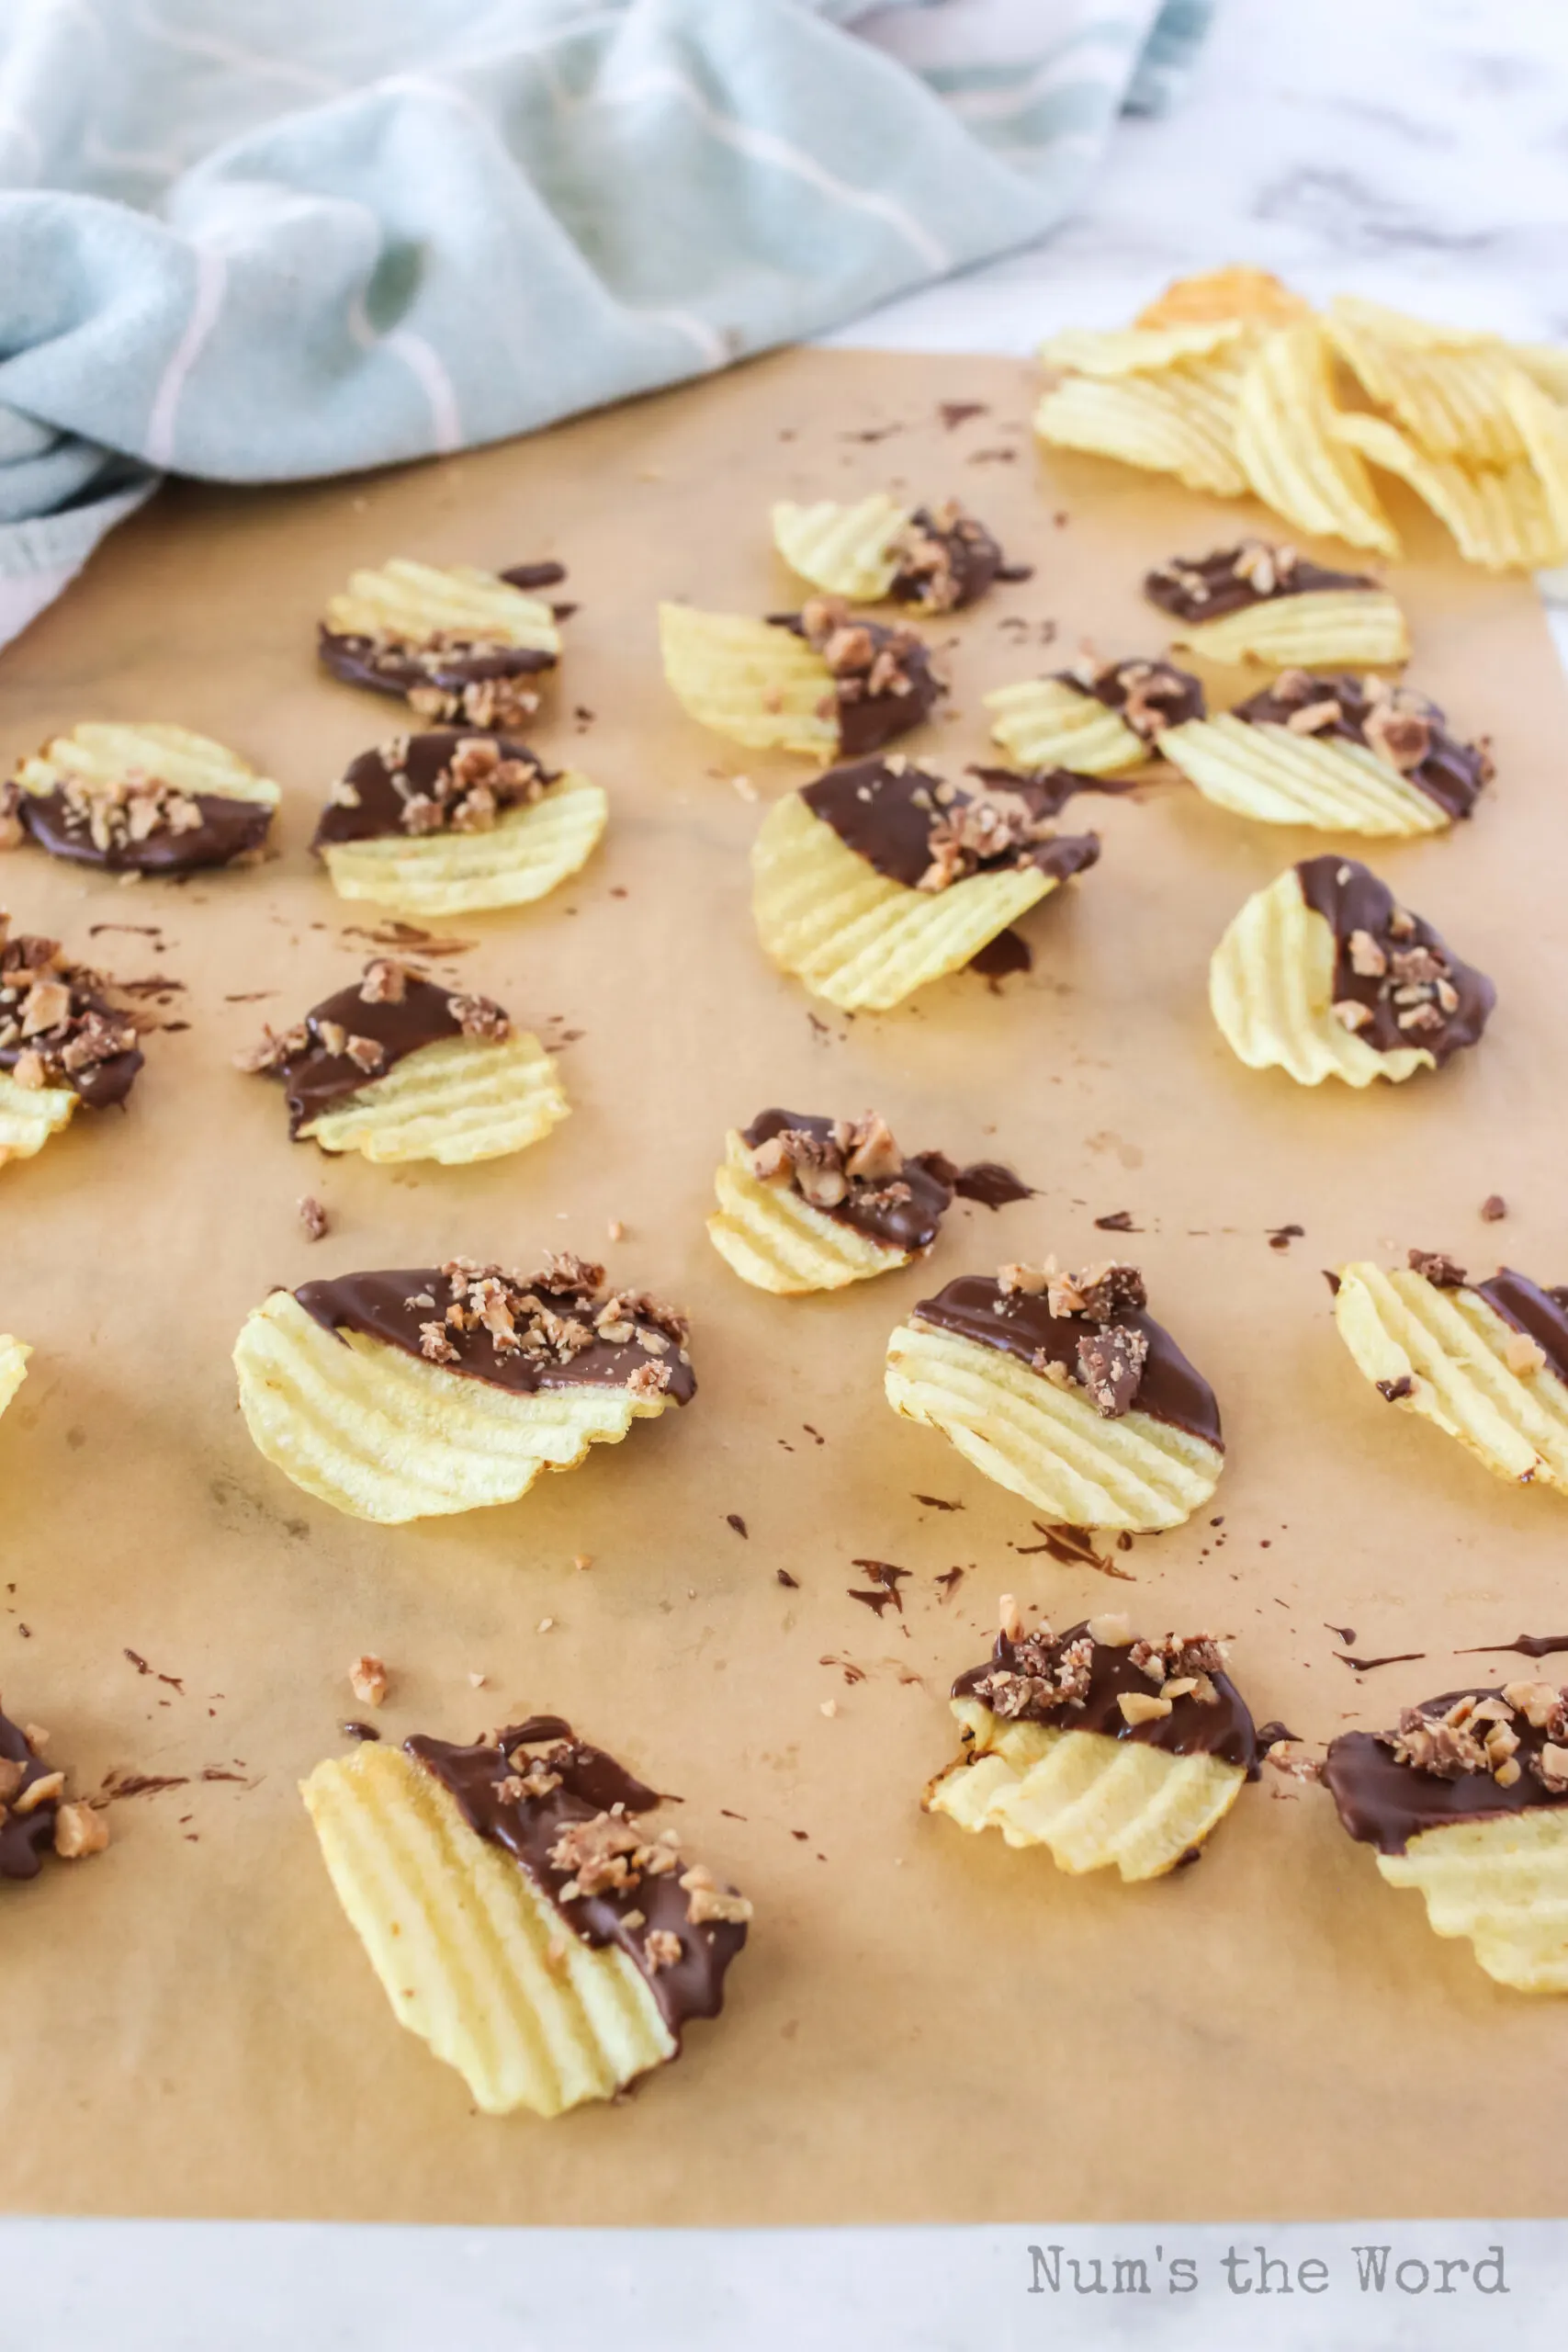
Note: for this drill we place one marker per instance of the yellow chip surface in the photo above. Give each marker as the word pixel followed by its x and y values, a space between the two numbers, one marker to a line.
pixel 1090 1800
pixel 1237 291
pixel 760 685
pixel 1449 399
pixel 1136 351
pixel 1288 450
pixel 856 938
pixel 524 854
pixel 1543 428
pixel 844 550
pixel 776 1242
pixel 1503 1884
pixel 473 1957
pixel 1282 779
pixel 14 1354
pixel 1499 515
pixel 1045 1443
pixel 459 1100
pixel 385 1436
pixel 30 1115
pixel 414 602
pixel 1458 1354
pixel 1272 993
pixel 1048 723
pixel 99 754
pixel 1179 421
pixel 1332 629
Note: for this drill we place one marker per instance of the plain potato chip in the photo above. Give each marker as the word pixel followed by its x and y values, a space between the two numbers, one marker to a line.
pixel 1457 1355
pixel 1332 629
pixel 1402 330
pixel 1048 1443
pixel 1049 723
pixel 856 938
pixel 1502 1882
pixel 1543 428
pixel 1449 398
pixel 474 1958
pixel 411 602
pixel 1289 451
pixel 1237 291
pixel 844 550
pixel 99 754
pixel 385 1436
pixel 776 1242
pixel 1092 1800
pixel 1282 779
pixel 1272 993
pixel 1499 515
pixel 1136 351
pixel 14 1354
pixel 459 1100
pixel 1545 364
pixel 522 857
pixel 1180 422
pixel 760 685
pixel 30 1115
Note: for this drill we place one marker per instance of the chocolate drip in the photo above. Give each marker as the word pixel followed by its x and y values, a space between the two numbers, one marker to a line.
pixel 1351 899
pixel 1221 1726
pixel 25 1837
pixel 1021 1325
pixel 1540 1314
pixel 1385 1803
pixel 971 561
pixel 1160 694
pixel 315 1078
pixel 1452 773
pixel 392 667
pixel 380 1306
pixel 536 575
pixel 910 1223
pixel 528 1826
pixel 1527 1645
pixel 1209 587
pixel 986 1181
pixel 378 804
pixel 230 829
pixel 886 811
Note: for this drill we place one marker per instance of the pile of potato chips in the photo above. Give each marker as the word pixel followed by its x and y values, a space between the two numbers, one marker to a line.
pixel 1237 386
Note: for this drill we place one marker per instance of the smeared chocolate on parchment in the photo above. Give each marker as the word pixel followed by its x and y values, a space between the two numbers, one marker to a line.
pixel 1462 1756
pixel 1232 580
pixel 571 1816
pixel 1396 982
pixel 926 833
pixel 884 681
pixel 853 1170
pixel 1405 731
pixel 1147 696
pixel 444 781
pixel 1180 1699
pixel 138 824
pixel 555 1329
pixel 57 1028
pixel 947 558
pixel 355 1037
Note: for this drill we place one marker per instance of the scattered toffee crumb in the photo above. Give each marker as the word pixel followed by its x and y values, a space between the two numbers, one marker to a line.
pixel 1367 1664
pixel 369 1681
pixel 1118 1221
pixel 733 1518
pixel 351 1730
pixel 791 1583
pixel 1494 1207
pixel 313 1217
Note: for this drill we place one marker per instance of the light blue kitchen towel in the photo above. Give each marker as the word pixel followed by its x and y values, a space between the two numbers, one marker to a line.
pixel 256 240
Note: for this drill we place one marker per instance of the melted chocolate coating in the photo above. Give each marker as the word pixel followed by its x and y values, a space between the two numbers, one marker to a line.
pixel 886 816
pixel 380 805
pixel 974 559
pixel 25 1837
pixel 1021 1325
pixel 1385 1803
pixel 528 1828
pixel 1221 590
pixel 1001 957
pixel 1451 773
pixel 909 1225
pixel 106 1083
pixel 317 1079
pixel 377 1305
pixel 229 829
pixel 867 722
pixel 396 669
pixel 1540 1314
pixel 1194 1727
pixel 1177 694
pixel 1350 897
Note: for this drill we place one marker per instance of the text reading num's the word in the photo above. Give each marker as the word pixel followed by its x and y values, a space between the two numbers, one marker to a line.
pixel 1242 2271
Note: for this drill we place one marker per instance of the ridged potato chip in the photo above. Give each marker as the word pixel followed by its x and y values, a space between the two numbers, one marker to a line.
pixel 1090 1800
pixel 1136 351
pixel 1272 993
pixel 413 602
pixel 1402 329
pixel 1457 1353
pixel 99 753
pixel 1501 1882
pixel 1047 723
pixel 1543 428
pixel 844 550
pixel 1332 629
pixel 1048 1443
pixel 760 685
pixel 1449 399
pixel 384 1436
pixel 522 857
pixel 473 1957
pixel 1289 451
pixel 29 1115
pixel 856 938
pixel 1237 291
pixel 1500 516
pixel 1282 779
pixel 1179 421
pixel 14 1354
pixel 776 1242
pixel 459 1100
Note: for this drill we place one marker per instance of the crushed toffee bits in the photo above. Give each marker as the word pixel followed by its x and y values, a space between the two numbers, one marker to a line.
pixel 1146 696
pixel 135 799
pixel 37 1816
pixel 56 1028
pixel 369 1681
pixel 457 644
pixel 313 1217
pixel 365 1030
pixel 440 781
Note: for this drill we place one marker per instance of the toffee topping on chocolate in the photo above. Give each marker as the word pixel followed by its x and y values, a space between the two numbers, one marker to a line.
pixel 27 1832
pixel 555 1329
pixel 1147 696
pixel 923 831
pixel 1395 981
pixel 1089 1331
pixel 1181 1699
pixel 355 1037
pixel 1230 579
pixel 1460 1757
pixel 947 560
pixel 1409 733
pixel 447 675
pixel 853 1170
pixel 1541 1315
pixel 570 1815
pixel 137 825
pixel 884 682
pixel 56 1026
pixel 442 781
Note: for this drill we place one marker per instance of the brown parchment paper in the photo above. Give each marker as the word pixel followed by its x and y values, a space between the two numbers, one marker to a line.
pixel 924 2026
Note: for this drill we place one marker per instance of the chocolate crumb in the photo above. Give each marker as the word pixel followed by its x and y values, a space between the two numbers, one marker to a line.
pixel 1119 1221
pixel 1437 1268
pixel 313 1217
pixel 785 1578
pixel 351 1730
pixel 1494 1207
pixel 733 1518
pixel 1396 1391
